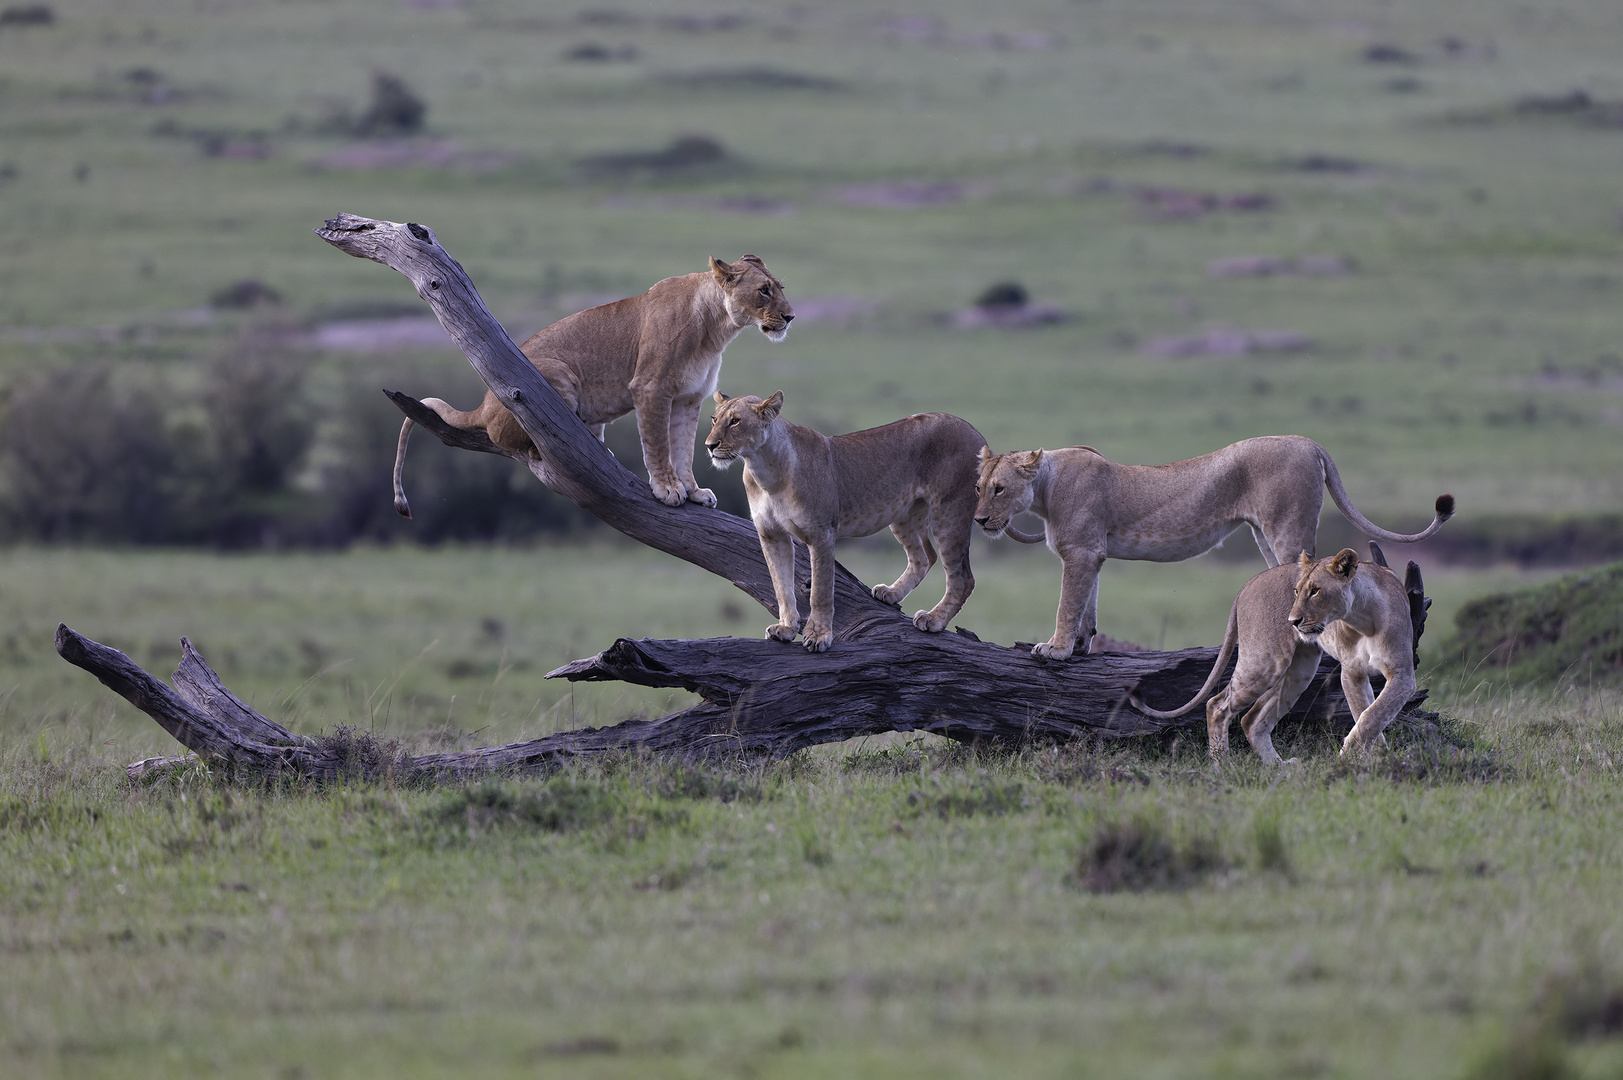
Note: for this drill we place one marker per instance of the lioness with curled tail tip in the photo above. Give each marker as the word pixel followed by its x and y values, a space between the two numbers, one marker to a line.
pixel 1094 509
pixel 658 353
pixel 1283 619
pixel 916 476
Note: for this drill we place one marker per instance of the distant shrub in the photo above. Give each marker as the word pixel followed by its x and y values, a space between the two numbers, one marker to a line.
pixel 246 293
pixel 395 109
pixel 88 458
pixel 1003 294
pixel 220 457
pixel 684 154
pixel 27 15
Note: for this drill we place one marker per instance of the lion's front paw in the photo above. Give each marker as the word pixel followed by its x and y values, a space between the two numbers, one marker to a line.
pixel 781 632
pixel 702 496
pixel 669 494
pixel 887 595
pixel 930 622
pixel 1351 746
pixel 818 637
pixel 1049 651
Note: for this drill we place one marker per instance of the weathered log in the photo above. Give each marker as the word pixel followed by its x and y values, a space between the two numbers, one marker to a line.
pixel 810 698
pixel 759 697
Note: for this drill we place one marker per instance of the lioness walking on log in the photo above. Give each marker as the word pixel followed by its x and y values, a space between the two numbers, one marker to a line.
pixel 1094 509
pixel 658 353
pixel 916 475
pixel 1283 619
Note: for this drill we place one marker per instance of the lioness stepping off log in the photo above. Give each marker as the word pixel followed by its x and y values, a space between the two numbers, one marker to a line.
pixel 1094 509
pixel 1283 619
pixel 916 475
pixel 658 353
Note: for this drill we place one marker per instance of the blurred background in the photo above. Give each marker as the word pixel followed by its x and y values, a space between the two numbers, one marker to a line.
pixel 1151 226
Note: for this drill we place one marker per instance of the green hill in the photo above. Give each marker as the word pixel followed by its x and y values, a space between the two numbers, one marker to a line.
pixel 1571 628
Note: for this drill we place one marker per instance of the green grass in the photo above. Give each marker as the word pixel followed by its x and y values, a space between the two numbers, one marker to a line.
pixel 903 911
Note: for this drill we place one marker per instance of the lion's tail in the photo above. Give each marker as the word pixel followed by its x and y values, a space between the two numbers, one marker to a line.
pixel 1338 493
pixel 401 506
pixel 1230 636
pixel 1024 537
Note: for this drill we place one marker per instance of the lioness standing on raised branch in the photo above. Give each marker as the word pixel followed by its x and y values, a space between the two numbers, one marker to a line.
pixel 1094 509
pixel 658 353
pixel 916 475
pixel 1283 619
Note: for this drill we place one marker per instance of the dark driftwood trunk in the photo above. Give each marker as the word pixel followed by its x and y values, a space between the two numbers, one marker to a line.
pixel 759 697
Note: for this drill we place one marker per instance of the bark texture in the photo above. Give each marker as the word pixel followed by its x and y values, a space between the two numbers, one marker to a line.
pixel 758 697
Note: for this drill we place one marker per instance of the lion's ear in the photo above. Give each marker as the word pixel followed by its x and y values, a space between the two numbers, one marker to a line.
pixel 1344 563
pixel 722 399
pixel 725 273
pixel 769 408
pixel 1304 560
pixel 755 259
pixel 1031 462
pixel 985 454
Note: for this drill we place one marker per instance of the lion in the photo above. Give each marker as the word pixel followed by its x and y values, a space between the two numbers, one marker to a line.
pixel 658 353
pixel 1282 621
pixel 1094 509
pixel 916 475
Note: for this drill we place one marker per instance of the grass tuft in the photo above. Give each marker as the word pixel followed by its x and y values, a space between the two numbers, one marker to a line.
pixel 561 804
pixel 1272 854
pixel 968 796
pixel 361 755
pixel 1137 854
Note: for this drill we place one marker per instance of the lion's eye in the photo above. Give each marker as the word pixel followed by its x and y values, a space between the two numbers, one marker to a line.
pixel 997 489
pixel 766 292
pixel 1314 591
pixel 732 422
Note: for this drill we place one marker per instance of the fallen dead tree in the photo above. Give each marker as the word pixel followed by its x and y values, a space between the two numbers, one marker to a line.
pixel 758 697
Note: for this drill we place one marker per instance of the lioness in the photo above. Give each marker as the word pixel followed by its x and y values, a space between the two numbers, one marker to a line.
pixel 1094 509
pixel 658 353
pixel 916 475
pixel 1282 620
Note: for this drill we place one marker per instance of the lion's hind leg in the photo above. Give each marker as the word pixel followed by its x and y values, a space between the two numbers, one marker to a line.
pixel 1258 724
pixel 909 531
pixel 952 527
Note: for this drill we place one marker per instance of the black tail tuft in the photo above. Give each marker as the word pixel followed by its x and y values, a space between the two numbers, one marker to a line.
pixel 1445 506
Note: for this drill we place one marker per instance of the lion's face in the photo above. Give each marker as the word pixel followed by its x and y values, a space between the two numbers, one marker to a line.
pixel 1323 592
pixel 754 295
pixel 1004 488
pixel 739 426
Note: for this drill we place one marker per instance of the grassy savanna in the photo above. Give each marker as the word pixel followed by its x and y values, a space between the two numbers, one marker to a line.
pixel 880 910
pixel 893 913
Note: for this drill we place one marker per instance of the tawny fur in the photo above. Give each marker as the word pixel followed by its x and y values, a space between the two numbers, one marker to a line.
pixel 1282 620
pixel 916 475
pixel 658 353
pixel 1094 509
